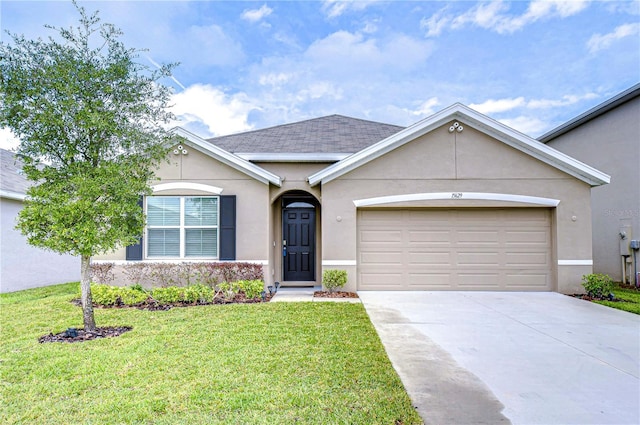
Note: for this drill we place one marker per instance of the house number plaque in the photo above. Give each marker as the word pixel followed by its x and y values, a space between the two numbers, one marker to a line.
pixel 456 195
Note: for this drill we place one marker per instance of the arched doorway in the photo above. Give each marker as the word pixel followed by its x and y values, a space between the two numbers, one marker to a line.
pixel 298 236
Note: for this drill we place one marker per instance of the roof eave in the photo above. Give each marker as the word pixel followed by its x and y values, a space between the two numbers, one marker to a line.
pixel 595 112
pixel 292 156
pixel 488 125
pixel 228 158
pixel 16 196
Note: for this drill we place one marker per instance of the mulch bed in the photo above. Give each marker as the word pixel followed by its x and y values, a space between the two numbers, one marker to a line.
pixel 336 294
pixel 81 335
pixel 590 298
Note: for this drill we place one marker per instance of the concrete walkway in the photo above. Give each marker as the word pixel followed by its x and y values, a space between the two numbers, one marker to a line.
pixel 521 358
pixel 305 294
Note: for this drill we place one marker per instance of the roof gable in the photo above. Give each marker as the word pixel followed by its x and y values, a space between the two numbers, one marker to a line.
pixel 480 122
pixel 227 158
pixel 333 134
pixel 13 184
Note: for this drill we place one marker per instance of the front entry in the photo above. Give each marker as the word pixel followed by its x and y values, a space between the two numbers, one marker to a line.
pixel 299 242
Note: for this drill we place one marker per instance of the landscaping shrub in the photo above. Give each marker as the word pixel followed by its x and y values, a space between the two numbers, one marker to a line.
pixel 138 287
pixel 251 288
pixel 229 290
pixel 168 295
pixel 104 294
pixel 198 293
pixel 206 274
pixel 597 285
pixel 135 295
pixel 136 272
pixel 102 273
pixel 165 274
pixel 130 296
pixel 188 273
pixel 332 279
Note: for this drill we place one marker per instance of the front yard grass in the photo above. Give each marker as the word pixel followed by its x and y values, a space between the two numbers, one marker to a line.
pixel 629 299
pixel 271 363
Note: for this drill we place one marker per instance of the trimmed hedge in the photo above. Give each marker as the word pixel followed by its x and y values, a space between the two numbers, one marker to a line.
pixel 110 296
pixel 177 274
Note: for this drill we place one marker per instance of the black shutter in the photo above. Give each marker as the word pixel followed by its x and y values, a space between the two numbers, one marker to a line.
pixel 134 252
pixel 227 227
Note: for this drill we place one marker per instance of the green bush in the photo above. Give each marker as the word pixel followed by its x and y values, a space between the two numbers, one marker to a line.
pixel 138 287
pixel 229 289
pixel 198 293
pixel 104 294
pixel 597 285
pixel 130 296
pixel 168 295
pixel 332 279
pixel 251 288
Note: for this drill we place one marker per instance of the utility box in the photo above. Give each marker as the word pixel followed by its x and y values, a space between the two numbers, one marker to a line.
pixel 634 244
pixel 625 235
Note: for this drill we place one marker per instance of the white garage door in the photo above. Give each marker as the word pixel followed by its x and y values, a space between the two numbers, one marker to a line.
pixel 455 249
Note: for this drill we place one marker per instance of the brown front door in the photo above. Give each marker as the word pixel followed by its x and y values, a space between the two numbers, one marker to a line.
pixel 298 243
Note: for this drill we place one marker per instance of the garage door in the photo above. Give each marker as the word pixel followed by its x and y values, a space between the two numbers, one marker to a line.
pixel 455 249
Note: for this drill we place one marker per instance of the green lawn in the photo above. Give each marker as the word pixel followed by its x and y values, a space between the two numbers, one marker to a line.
pixel 630 299
pixel 272 363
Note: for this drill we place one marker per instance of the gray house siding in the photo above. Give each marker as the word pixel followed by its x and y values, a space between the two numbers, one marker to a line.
pixel 608 138
pixel 23 266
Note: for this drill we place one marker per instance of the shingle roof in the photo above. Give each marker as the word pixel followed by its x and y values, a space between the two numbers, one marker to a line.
pixel 330 134
pixel 11 179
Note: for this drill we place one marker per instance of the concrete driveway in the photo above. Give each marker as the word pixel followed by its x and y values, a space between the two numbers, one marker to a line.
pixel 520 358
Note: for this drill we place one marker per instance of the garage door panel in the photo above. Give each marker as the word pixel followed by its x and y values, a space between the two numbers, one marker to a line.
pixel 381 258
pixel 485 259
pixel 478 237
pixel 429 258
pixel 381 236
pixel 382 280
pixel 429 237
pixel 463 249
pixel 428 281
pixel 527 237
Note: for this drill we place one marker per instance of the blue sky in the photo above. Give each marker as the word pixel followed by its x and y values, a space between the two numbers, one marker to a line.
pixel 247 65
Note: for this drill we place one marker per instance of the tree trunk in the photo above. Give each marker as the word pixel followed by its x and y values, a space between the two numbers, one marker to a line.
pixel 87 301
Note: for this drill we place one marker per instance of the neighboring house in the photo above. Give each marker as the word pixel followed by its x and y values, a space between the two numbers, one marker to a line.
pixel 23 266
pixel 608 137
pixel 457 201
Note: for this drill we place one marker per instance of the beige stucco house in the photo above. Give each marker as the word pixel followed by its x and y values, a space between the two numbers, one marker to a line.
pixel 456 201
pixel 608 137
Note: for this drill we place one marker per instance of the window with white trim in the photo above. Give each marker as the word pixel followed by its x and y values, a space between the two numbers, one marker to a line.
pixel 182 226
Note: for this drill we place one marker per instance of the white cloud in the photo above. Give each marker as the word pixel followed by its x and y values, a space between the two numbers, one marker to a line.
pixel 599 42
pixel 530 126
pixel 425 108
pixel 275 79
pixel 494 16
pixel 255 15
pixel 208 111
pixel 335 8
pixel 320 90
pixel 493 106
pixel 566 100
pixel 343 52
pixel 436 23
pixel 8 140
